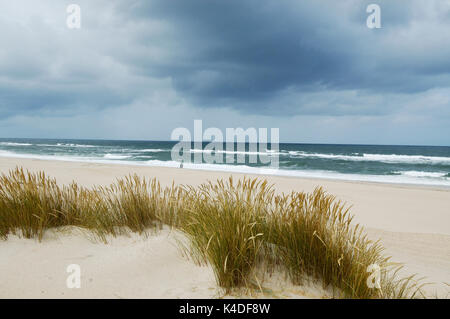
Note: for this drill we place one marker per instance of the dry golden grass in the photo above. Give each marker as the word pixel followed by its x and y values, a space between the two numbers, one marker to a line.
pixel 222 222
pixel 314 236
pixel 235 226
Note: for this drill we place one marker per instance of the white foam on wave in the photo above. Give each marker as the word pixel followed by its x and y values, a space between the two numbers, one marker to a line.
pixel 116 156
pixel 413 159
pixel 385 158
pixel 423 174
pixel 15 144
pixel 266 153
pixel 47 157
pixel 67 145
pixel 74 145
pixel 151 150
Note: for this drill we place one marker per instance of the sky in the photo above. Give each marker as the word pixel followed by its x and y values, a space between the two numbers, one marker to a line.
pixel 313 69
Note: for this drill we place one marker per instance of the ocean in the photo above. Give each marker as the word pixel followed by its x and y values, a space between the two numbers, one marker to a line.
pixel 420 165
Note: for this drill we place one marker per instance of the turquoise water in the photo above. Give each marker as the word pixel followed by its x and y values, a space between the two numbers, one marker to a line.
pixel 426 165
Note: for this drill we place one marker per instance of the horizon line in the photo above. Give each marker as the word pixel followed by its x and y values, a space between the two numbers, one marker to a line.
pixel 206 141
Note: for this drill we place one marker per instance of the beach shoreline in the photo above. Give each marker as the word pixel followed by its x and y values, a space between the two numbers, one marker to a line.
pixel 412 222
pixel 217 169
pixel 400 165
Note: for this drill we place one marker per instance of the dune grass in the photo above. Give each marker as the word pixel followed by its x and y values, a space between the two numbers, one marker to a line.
pixel 222 221
pixel 235 226
pixel 314 236
pixel 32 203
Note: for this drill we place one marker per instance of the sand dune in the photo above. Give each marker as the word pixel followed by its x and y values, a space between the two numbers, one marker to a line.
pixel 126 267
pixel 412 222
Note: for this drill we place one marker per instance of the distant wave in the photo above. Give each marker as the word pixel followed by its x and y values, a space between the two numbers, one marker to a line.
pixel 423 174
pixel 116 156
pixel 104 159
pixel 67 145
pixel 266 153
pixel 386 158
pixel 74 145
pixel 415 159
pixel 151 150
pixel 15 144
pixel 46 157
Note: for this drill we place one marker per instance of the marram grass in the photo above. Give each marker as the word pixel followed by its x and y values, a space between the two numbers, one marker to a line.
pixel 314 236
pixel 235 226
pixel 222 221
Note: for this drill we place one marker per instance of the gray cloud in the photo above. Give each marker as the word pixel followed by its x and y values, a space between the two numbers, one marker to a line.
pixel 245 54
pixel 255 57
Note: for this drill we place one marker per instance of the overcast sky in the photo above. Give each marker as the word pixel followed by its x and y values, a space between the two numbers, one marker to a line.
pixel 139 69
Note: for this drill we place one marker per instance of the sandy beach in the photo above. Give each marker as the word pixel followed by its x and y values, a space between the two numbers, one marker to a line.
pixel 412 222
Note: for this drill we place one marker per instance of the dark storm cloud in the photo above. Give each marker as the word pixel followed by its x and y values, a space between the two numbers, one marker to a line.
pixel 257 56
pixel 245 53
pixel 247 50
